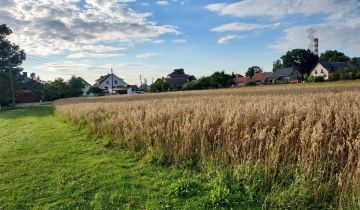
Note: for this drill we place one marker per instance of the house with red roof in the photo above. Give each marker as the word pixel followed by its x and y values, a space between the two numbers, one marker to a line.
pixel 240 80
pixel 259 78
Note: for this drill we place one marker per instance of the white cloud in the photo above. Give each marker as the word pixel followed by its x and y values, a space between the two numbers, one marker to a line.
pixel 179 41
pixel 278 8
pixel 146 55
pixel 337 22
pixel 144 4
pixel 93 55
pixel 162 2
pixel 54 26
pixel 158 41
pixel 226 39
pixel 243 27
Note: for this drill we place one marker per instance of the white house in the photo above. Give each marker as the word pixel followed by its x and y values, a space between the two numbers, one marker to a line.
pixel 113 84
pixel 324 68
pixel 86 88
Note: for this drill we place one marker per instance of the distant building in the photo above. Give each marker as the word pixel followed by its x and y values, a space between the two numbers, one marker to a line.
pixel 259 78
pixel 145 87
pixel 113 84
pixel 25 95
pixel 240 80
pixel 176 80
pixel 284 76
pixel 324 68
pixel 86 88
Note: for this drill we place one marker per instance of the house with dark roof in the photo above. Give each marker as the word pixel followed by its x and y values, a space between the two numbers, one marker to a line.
pixel 324 68
pixel 284 76
pixel 24 94
pixel 259 78
pixel 111 83
pixel 240 80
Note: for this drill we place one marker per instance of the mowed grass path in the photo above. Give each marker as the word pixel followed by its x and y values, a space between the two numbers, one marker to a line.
pixel 46 163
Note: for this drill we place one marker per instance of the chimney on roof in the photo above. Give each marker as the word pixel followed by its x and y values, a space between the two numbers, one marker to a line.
pixel 24 74
pixel 316 46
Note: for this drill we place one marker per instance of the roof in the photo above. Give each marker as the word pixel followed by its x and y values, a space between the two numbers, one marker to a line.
pixel 84 81
pixel 240 79
pixel 285 72
pixel 102 79
pixel 333 66
pixel 260 76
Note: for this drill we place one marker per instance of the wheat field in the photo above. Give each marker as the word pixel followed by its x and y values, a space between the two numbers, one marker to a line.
pixel 310 131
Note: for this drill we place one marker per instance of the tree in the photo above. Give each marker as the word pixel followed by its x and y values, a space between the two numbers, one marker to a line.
pixel 56 89
pixel 191 78
pixel 192 85
pixel 97 91
pixel 355 61
pixel 76 86
pixel 160 85
pixel 334 56
pixel 11 57
pixel 277 65
pixel 36 86
pixel 220 80
pixel 303 60
pixel 252 70
pixel 179 71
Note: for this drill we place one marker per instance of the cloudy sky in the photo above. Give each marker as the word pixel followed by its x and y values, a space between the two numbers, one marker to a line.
pixel 150 38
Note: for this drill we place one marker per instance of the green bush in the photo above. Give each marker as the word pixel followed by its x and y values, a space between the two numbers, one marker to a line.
pixel 334 76
pixel 310 79
pixel 192 85
pixel 185 188
pixel 319 79
pixel 249 84
pixel 358 73
pixel 220 197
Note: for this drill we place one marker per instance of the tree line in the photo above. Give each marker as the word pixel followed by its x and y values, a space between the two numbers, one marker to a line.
pixel 11 58
pixel 301 59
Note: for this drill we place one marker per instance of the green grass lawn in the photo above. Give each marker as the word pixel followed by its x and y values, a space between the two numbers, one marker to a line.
pixel 46 163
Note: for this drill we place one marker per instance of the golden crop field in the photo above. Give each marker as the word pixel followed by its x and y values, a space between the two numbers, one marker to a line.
pixel 311 132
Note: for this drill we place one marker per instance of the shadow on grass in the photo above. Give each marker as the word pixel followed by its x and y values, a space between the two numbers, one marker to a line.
pixel 29 111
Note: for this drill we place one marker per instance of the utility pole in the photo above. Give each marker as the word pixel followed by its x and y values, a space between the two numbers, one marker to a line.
pixel 11 84
pixel 112 82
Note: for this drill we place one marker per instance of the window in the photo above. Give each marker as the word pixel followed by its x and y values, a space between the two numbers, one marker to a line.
pixel 115 81
pixel 106 87
pixel 107 82
pixel 322 71
pixel 315 71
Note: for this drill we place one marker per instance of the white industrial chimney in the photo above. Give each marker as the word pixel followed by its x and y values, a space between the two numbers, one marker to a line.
pixel 316 46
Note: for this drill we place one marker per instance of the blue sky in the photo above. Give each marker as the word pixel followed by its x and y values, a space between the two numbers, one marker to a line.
pixel 150 38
